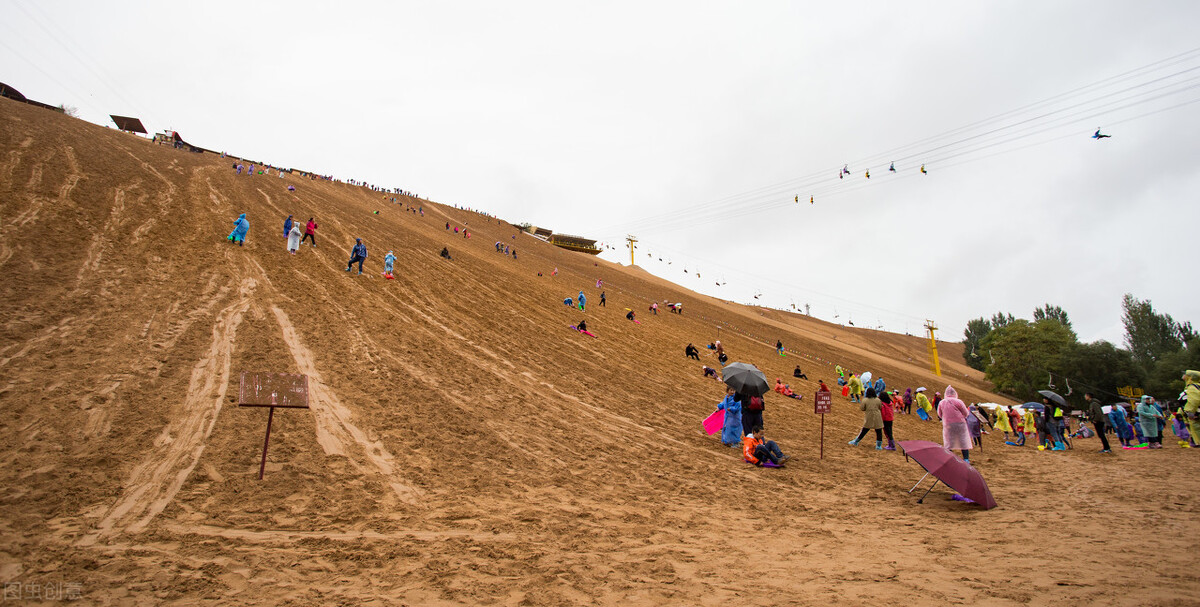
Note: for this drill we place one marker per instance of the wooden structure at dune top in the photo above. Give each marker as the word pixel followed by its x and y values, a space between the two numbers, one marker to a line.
pixel 9 92
pixel 128 124
pixel 566 241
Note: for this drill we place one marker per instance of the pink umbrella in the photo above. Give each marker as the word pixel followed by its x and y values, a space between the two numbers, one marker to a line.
pixel 945 467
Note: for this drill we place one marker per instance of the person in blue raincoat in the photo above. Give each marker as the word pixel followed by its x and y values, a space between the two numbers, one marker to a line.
pixel 358 253
pixel 731 434
pixel 582 300
pixel 388 261
pixel 287 226
pixel 1120 424
pixel 240 227
pixel 879 386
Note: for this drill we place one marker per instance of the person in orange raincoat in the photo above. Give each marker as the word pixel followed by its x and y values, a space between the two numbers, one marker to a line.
pixel 759 451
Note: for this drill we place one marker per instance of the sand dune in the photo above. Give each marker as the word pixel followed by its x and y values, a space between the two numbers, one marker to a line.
pixel 463 445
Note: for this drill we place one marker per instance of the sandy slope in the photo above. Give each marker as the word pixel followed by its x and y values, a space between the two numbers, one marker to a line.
pixel 464 446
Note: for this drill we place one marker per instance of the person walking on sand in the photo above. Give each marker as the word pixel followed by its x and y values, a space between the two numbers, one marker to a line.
pixel 582 300
pixel 1120 423
pixel 1002 423
pixel 1096 413
pixel 287 227
pixel 908 401
pixel 872 409
pixel 310 231
pixel 240 227
pixel 602 299
pixel 873 419
pixel 388 261
pixel 1148 417
pixel 1191 409
pixel 731 433
pixel 752 412
pixel 358 253
pixel 856 388
pixel 293 242
pixel 887 410
pixel 923 403
pixel 955 432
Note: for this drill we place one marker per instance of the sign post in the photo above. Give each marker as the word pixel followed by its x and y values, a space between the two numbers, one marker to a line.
pixel 822 404
pixel 285 390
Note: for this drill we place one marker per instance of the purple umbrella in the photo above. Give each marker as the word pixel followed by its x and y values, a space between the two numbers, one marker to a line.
pixel 945 467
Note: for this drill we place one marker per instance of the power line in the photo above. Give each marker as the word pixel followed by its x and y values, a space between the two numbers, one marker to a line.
pixel 806 183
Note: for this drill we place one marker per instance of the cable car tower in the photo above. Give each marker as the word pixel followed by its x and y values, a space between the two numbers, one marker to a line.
pixel 933 355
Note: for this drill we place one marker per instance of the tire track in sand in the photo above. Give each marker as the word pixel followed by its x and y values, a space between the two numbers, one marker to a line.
pixel 155 481
pixel 336 433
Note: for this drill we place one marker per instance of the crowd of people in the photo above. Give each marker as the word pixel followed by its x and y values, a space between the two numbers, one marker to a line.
pixel 1139 425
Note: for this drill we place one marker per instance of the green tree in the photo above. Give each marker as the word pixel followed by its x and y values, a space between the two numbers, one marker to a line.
pixel 1049 312
pixel 1165 379
pixel 1099 367
pixel 1025 353
pixel 1000 319
pixel 1150 335
pixel 976 330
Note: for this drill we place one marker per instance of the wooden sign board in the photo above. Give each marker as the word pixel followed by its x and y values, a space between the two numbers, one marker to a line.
pixel 273 390
pixel 823 402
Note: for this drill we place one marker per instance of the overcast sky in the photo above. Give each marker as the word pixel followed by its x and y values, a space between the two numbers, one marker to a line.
pixel 693 126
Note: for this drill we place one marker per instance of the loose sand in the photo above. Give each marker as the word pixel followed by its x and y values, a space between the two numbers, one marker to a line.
pixel 463 445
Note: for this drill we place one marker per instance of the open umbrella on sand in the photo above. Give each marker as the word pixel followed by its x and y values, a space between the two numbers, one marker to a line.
pixel 746 378
pixel 946 468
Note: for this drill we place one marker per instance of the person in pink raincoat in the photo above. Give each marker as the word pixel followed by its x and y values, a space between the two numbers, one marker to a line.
pixel 955 432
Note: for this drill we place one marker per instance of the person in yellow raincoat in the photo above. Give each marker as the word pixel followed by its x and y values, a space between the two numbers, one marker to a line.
pixel 1191 411
pixel 1002 422
pixel 1030 421
pixel 856 388
pixel 923 403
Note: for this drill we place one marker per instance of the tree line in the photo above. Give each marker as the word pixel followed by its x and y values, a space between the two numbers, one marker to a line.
pixel 1022 356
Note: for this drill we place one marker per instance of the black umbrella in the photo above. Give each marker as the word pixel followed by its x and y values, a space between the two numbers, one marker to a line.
pixel 746 379
pixel 1054 397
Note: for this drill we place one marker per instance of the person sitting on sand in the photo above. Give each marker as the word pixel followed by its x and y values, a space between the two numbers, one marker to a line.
pixel 821 387
pixel 446 254
pixel 798 374
pixel 691 352
pixel 630 315
pixel 759 451
pixel 785 390
pixel 582 326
